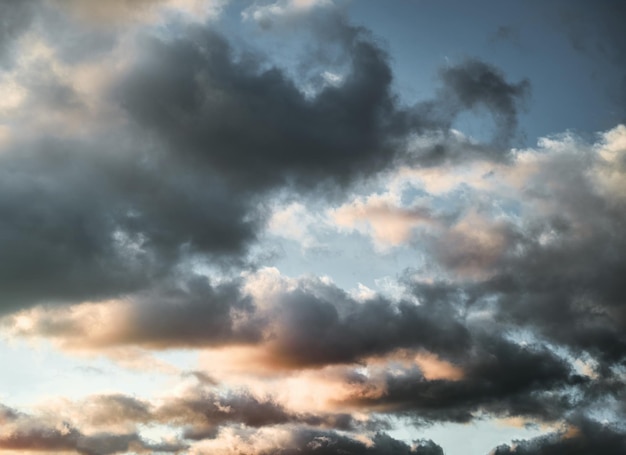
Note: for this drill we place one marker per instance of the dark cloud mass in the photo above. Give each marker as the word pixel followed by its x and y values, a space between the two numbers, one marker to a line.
pixel 500 378
pixel 200 96
pixel 316 329
pixel 83 222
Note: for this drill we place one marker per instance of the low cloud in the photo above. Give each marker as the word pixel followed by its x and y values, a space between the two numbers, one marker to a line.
pixel 24 432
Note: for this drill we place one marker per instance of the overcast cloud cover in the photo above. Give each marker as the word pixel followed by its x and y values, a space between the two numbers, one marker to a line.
pixel 312 227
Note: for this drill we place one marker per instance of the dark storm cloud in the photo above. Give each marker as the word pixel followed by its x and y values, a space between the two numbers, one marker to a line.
pixel 329 443
pixel 584 437
pixel 500 378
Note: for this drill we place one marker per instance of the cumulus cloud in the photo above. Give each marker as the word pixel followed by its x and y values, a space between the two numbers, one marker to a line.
pixel 584 437
pixel 196 94
pixel 501 379
pixel 308 442
pixel 23 432
pixel 300 324
pixel 194 313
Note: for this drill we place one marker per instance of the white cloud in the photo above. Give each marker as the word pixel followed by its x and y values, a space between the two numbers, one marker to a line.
pixel 282 10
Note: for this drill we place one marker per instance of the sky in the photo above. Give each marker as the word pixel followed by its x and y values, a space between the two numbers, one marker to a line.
pixel 312 227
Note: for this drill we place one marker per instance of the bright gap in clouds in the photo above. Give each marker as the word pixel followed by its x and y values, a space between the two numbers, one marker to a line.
pixel 313 227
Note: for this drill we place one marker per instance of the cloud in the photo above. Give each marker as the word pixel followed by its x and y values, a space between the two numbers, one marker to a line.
pixel 585 437
pixel 473 246
pixel 309 442
pixel 42 434
pixel 193 313
pixel 474 83
pixel 117 201
pixel 87 223
pixel 201 413
pixel 198 412
pixel 500 378
pixel 311 324
pixel 282 11
pixel 512 235
pixel 16 19
pixel 197 95
pixel 294 222
pixel 388 223
pixel 574 217
pixel 139 168
pixel 312 329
